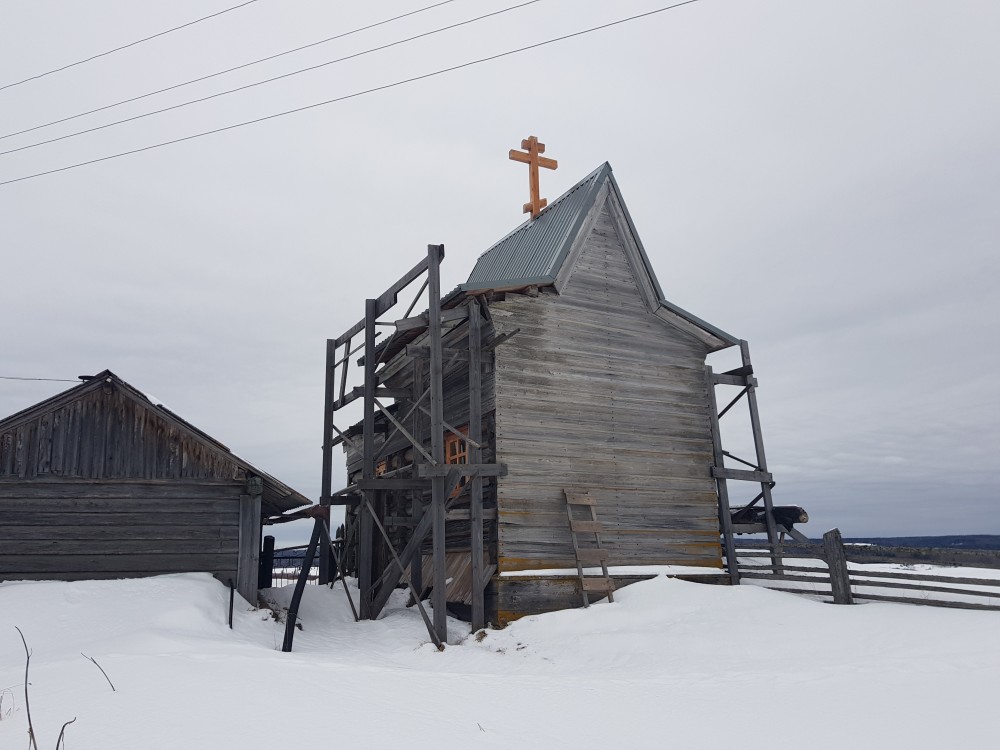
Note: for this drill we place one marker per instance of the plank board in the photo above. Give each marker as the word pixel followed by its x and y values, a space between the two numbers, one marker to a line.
pixel 599 395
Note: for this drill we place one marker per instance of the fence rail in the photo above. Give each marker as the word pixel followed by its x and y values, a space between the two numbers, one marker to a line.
pixel 287 566
pixel 847 573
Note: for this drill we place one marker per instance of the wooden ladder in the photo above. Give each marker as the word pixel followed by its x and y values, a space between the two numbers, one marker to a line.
pixel 602 584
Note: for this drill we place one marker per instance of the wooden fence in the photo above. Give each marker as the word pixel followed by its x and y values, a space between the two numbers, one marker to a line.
pixel 287 566
pixel 848 573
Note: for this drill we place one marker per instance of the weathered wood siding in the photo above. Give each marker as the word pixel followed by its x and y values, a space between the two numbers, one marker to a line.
pixel 105 433
pixel 77 529
pixel 596 393
pixel 102 484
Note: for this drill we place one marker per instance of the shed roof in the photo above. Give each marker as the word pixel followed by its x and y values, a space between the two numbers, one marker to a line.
pixel 278 496
pixel 534 253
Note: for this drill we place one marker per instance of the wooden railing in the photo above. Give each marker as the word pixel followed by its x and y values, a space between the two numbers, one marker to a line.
pixel 848 573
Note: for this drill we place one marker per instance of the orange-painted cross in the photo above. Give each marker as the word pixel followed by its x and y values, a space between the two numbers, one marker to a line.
pixel 534 159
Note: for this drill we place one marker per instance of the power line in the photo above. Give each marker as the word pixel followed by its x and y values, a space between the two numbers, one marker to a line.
pixel 355 94
pixel 269 80
pixel 51 380
pixel 230 70
pixel 126 46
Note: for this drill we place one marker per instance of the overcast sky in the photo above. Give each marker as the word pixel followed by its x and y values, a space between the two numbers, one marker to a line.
pixel 819 178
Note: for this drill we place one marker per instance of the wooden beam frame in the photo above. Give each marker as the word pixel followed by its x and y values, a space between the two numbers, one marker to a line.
pixel 476 457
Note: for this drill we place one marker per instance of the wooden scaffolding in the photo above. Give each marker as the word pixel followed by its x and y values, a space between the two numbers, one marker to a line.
pixel 429 483
pixel 744 520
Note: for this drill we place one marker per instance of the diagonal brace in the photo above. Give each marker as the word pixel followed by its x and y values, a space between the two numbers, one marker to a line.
pixel 413 592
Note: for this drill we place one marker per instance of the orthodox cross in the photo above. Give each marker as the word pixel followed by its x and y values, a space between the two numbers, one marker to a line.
pixel 534 159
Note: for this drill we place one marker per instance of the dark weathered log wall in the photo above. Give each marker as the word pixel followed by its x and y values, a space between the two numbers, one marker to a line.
pixel 105 433
pixel 596 393
pixel 78 529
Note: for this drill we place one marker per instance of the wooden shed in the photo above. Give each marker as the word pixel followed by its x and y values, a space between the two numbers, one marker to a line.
pixel 564 373
pixel 101 482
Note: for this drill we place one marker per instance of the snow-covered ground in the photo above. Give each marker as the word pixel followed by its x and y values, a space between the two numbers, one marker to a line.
pixel 669 665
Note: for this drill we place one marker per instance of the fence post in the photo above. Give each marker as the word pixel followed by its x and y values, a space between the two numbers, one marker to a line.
pixel 836 560
pixel 265 578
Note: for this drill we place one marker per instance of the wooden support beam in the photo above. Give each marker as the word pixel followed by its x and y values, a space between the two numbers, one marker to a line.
pixel 406 433
pixel 431 630
pixel 393 483
pixel 468 470
pixel 248 565
pixel 758 440
pixel 342 437
pixel 365 530
pixel 326 481
pixel 422 321
pixel 416 498
pixel 488 572
pixel 478 618
pixel 388 298
pixel 733 403
pixel 721 472
pixel 327 543
pixel 465 514
pixel 388 441
pixel 293 607
pixel 438 497
pixel 725 515
pixel 456 432
pixel 359 392
pixel 409 556
pixel 416 350
pixel 740 380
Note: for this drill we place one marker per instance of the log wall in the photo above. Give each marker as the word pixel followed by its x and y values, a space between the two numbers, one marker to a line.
pixel 597 394
pixel 82 529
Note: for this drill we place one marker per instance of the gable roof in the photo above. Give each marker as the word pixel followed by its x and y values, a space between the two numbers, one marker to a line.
pixel 536 252
pixel 278 496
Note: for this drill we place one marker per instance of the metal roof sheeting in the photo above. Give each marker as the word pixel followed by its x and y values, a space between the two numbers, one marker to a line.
pixel 533 252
